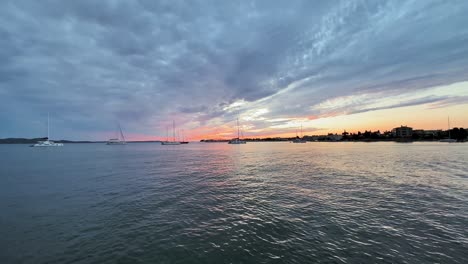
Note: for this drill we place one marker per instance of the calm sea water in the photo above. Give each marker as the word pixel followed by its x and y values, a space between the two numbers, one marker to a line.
pixel 220 203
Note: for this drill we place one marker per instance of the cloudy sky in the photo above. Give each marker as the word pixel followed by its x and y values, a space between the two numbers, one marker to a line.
pixel 325 65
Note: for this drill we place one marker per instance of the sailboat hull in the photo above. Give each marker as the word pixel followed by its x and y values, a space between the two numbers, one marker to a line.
pixel 237 141
pixel 448 140
pixel 47 144
pixel 299 141
pixel 170 143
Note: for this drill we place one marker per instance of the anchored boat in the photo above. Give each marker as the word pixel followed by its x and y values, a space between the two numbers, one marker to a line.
pixel 299 139
pixel 120 140
pixel 47 142
pixel 237 140
pixel 449 139
pixel 173 142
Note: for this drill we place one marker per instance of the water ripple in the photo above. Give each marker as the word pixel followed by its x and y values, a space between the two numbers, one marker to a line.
pixel 217 203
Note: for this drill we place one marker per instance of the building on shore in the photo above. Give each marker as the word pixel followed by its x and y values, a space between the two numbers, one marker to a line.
pixel 427 133
pixel 334 137
pixel 402 132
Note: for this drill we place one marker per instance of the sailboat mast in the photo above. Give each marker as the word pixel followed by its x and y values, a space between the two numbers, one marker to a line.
pixel 238 132
pixel 47 126
pixel 121 133
pixel 448 122
pixel 173 130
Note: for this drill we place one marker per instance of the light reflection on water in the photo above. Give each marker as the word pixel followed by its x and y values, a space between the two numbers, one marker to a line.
pixel 220 203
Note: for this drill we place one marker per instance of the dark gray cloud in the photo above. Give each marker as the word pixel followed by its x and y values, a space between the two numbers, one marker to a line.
pixel 144 63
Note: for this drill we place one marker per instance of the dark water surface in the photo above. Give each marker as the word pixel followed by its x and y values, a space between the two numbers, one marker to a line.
pixel 220 203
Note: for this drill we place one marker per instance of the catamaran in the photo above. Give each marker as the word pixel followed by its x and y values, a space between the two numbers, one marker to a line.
pixel 47 142
pixel 173 142
pixel 237 140
pixel 299 139
pixel 120 140
pixel 449 139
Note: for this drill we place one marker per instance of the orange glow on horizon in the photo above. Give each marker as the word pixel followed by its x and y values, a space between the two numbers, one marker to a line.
pixel 417 117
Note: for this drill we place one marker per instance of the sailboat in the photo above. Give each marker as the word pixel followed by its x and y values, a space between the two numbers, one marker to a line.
pixel 299 139
pixel 237 140
pixel 47 142
pixel 183 139
pixel 449 139
pixel 120 140
pixel 173 142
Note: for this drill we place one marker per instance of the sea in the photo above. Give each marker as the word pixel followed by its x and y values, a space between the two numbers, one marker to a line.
pixel 275 202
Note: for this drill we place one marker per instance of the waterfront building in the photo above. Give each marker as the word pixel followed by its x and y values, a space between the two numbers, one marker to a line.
pixel 432 132
pixel 334 137
pixel 402 132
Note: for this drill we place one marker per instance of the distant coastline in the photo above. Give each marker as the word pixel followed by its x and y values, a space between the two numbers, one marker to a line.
pixel 35 140
pixel 398 134
pixel 399 140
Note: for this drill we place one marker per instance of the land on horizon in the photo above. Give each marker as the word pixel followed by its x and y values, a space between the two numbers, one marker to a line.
pixel 460 134
pixel 35 140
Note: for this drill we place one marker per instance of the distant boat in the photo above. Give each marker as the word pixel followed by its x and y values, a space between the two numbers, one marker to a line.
pixel 237 140
pixel 299 139
pixel 449 139
pixel 183 139
pixel 120 140
pixel 173 142
pixel 47 142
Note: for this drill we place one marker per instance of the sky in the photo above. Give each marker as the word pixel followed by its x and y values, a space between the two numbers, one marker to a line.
pixel 276 65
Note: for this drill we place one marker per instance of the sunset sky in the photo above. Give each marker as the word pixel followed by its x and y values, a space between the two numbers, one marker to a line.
pixel 277 65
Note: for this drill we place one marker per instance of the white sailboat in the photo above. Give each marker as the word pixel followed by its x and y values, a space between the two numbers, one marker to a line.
pixel 449 139
pixel 47 142
pixel 237 140
pixel 120 140
pixel 299 139
pixel 173 142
